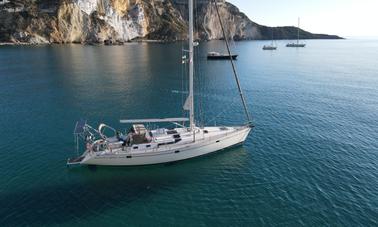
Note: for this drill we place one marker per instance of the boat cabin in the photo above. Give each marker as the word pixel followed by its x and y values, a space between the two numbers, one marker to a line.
pixel 138 134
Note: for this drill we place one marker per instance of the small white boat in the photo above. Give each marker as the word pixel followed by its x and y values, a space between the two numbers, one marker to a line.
pixel 141 146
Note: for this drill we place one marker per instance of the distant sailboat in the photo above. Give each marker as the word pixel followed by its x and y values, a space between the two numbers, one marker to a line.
pixel 271 46
pixel 296 44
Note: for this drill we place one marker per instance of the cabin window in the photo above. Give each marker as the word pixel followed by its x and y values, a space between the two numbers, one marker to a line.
pixel 217 141
pixel 160 144
pixel 177 140
pixel 128 156
pixel 148 145
pixel 136 147
pixel 169 132
pixel 177 152
pixel 205 131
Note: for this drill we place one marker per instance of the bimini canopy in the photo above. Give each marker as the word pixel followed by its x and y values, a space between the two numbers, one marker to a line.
pixel 102 127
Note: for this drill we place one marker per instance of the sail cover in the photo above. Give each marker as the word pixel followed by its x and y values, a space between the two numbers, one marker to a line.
pixel 187 104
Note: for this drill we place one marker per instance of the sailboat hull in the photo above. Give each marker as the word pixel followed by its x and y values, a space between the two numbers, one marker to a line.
pixel 171 153
pixel 269 48
pixel 295 45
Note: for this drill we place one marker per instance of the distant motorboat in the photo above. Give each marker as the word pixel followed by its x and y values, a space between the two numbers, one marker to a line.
pixel 296 44
pixel 219 56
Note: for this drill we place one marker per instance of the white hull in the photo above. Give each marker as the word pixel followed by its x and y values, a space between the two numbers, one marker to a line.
pixel 206 144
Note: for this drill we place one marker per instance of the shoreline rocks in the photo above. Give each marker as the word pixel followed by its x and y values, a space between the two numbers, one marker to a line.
pixel 118 21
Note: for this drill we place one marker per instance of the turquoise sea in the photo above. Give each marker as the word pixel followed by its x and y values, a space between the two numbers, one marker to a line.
pixel 311 160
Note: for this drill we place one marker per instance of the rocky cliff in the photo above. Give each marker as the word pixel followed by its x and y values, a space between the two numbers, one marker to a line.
pixel 94 21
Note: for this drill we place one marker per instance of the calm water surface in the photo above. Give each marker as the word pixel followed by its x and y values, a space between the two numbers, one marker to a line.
pixel 311 160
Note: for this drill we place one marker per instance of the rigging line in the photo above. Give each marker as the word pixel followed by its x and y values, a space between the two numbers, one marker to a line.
pixel 186 83
pixel 228 33
pixel 182 77
pixel 196 72
pixel 198 65
pixel 233 67
pixel 201 86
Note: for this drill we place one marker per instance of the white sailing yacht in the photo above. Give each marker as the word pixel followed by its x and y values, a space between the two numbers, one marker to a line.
pixel 296 44
pixel 141 146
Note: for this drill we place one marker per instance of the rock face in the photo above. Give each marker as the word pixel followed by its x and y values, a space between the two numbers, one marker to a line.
pixel 94 21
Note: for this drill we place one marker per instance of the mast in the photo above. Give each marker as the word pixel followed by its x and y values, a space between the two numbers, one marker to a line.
pixel 298 30
pixel 191 68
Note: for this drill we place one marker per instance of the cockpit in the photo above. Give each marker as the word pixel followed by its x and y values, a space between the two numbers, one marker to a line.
pixel 138 134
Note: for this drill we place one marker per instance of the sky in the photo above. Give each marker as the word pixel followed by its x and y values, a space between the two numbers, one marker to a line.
pixel 348 18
